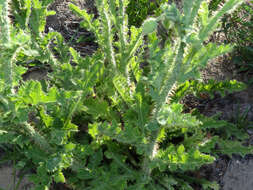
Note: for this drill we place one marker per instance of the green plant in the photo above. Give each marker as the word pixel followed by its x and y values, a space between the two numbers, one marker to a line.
pixel 139 10
pixel 238 28
pixel 130 121
pixel 198 88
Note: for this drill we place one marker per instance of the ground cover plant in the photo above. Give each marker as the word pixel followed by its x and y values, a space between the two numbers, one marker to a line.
pixel 106 121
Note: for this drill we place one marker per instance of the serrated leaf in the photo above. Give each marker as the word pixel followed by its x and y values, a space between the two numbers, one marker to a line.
pixel 75 55
pixel 171 115
pixel 88 17
pixel 120 83
pixel 31 92
pixel 230 147
pixel 96 107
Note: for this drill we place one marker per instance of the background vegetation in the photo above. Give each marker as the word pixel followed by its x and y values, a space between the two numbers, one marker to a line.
pixel 107 120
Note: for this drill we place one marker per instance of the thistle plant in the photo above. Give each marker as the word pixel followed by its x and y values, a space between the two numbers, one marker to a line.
pixel 140 110
pixel 103 117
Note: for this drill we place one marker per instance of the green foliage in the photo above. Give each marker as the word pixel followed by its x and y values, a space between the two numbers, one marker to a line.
pixel 220 133
pixel 129 117
pixel 238 28
pixel 138 11
pixel 31 14
pixel 198 88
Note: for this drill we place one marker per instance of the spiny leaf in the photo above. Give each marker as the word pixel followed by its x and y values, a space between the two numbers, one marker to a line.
pixel 172 116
